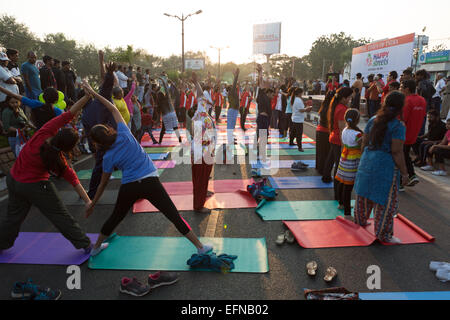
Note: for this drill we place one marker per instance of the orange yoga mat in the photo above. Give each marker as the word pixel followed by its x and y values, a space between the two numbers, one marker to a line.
pixel 185 202
pixel 342 233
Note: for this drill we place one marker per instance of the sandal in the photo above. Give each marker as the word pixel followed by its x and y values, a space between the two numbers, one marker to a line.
pixel 330 274
pixel 289 236
pixel 312 268
pixel 280 239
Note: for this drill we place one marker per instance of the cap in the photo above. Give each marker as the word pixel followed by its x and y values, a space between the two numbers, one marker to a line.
pixel 3 57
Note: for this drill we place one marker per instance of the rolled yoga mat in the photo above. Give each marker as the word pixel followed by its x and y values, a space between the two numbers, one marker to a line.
pixel 44 249
pixel 299 210
pixel 172 253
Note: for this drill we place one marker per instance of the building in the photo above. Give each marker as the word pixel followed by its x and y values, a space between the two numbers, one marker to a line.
pixel 436 62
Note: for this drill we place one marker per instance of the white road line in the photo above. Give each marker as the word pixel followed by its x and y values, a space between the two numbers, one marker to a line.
pixel 435 181
pixel 212 224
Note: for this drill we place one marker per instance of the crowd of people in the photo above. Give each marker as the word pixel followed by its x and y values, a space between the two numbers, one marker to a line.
pixel 45 115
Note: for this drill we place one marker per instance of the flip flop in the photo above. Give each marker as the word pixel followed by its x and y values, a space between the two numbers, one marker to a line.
pixel 280 239
pixel 312 268
pixel 289 236
pixel 330 274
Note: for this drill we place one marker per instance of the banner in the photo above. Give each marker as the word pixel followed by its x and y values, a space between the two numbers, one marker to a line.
pixel 194 64
pixel 267 38
pixel 382 57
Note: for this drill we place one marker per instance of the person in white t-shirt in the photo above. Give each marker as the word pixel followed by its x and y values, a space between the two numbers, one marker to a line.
pixel 123 79
pixel 436 101
pixel 298 117
pixel 6 77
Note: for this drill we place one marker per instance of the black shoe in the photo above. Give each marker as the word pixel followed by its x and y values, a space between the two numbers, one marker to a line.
pixel 327 180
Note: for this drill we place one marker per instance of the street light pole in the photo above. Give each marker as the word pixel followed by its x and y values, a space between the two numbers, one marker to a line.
pixel 219 49
pixel 182 19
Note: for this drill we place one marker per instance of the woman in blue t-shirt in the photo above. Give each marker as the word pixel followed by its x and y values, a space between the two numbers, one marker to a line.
pixel 377 179
pixel 139 178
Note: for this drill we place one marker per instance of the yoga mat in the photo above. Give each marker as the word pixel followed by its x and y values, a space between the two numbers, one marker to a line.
pixel 158 156
pixel 428 295
pixel 86 174
pixel 185 202
pixel 219 186
pixel 329 234
pixel 343 233
pixel 71 198
pixel 303 182
pixel 149 144
pixel 172 253
pixel 299 210
pixel 291 152
pixel 160 149
pixel 282 164
pixel 44 249
pixel 289 147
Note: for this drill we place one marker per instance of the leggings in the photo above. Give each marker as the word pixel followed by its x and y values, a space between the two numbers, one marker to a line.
pixel 334 156
pixel 218 111
pixel 243 111
pixel 408 161
pixel 297 133
pixel 322 150
pixel 152 190
pixel 345 196
pixel 163 132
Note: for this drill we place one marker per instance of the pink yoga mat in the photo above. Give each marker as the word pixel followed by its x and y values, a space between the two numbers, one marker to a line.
pixel 169 164
pixel 343 233
pixel 238 199
pixel 219 186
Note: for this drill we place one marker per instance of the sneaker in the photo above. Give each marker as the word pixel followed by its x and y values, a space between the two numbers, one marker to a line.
pixel 24 290
pixel 162 278
pixel 206 248
pixel 394 240
pixel 301 150
pixel 401 188
pixel 298 166
pixel 439 173
pixel 48 294
pixel 427 168
pixel 327 180
pixel 413 181
pixel 133 287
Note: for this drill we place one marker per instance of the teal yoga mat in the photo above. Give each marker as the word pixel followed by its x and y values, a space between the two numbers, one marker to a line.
pixel 299 210
pixel 291 152
pixel 86 174
pixel 172 253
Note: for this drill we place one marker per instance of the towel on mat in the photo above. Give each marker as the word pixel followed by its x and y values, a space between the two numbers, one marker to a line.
pixel 221 263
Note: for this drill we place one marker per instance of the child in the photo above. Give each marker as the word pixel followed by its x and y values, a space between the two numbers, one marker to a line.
pixel 441 151
pixel 349 162
pixel 147 124
pixel 298 117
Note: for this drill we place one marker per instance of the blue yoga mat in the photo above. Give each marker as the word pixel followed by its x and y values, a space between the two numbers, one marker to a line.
pixel 158 156
pixel 172 253
pixel 299 210
pixel 429 295
pixel 307 182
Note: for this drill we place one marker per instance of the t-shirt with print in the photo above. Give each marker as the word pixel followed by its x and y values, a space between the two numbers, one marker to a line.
pixel 127 155
pixel 5 74
pixel 351 138
pixel 339 115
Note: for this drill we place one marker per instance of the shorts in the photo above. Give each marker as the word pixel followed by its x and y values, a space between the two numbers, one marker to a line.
pixel 170 120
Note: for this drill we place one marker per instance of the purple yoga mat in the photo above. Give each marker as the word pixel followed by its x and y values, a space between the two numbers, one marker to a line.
pixel 44 248
pixel 169 164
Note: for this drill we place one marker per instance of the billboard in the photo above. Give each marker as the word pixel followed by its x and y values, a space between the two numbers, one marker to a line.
pixel 194 64
pixel 383 56
pixel 434 57
pixel 267 38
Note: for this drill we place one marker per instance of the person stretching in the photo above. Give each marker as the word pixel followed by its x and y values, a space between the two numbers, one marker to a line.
pixel 139 178
pixel 28 182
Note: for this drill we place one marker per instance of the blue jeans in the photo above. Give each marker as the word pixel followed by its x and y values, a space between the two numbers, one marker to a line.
pixel 231 123
pixel 32 94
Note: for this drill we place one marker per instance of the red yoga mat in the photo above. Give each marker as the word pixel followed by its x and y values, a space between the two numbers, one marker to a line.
pixel 218 186
pixel 343 233
pixel 234 200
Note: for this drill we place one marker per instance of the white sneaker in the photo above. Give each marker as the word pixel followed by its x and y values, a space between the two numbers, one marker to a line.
pixel 443 274
pixel 436 265
pixel 427 168
pixel 439 173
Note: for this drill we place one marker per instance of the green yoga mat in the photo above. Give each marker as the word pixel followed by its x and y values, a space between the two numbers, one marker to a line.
pixel 162 149
pixel 172 253
pixel 291 152
pixel 299 210
pixel 86 174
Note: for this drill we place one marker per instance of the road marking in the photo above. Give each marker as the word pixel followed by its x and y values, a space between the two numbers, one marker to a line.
pixel 435 180
pixel 212 224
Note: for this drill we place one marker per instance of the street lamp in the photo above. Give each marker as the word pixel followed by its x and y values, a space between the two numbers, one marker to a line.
pixel 182 19
pixel 219 49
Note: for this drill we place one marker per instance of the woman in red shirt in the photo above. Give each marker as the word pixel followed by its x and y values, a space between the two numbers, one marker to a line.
pixel 28 182
pixel 336 123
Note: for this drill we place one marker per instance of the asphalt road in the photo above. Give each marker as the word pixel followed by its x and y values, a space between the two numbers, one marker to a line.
pixel 403 268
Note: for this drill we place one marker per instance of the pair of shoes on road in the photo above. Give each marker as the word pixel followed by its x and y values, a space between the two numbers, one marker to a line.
pixel 330 273
pixel 135 288
pixel 286 236
pixel 441 173
pixel 299 166
pixel 29 291
pixel 442 270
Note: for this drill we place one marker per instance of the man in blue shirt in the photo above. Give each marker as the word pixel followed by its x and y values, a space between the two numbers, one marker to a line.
pixel 30 74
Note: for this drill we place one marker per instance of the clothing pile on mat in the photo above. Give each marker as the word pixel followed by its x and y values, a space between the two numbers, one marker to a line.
pixel 221 263
pixel 338 293
pixel 260 190
pixel 442 270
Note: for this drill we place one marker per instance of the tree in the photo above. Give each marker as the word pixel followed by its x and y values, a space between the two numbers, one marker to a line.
pixel 332 50
pixel 17 35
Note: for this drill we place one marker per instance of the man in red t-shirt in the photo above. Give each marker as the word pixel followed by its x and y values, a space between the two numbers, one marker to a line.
pixel 414 113
pixel 246 99
pixel 393 75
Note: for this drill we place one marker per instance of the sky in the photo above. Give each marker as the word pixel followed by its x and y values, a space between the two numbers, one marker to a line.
pixel 142 23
